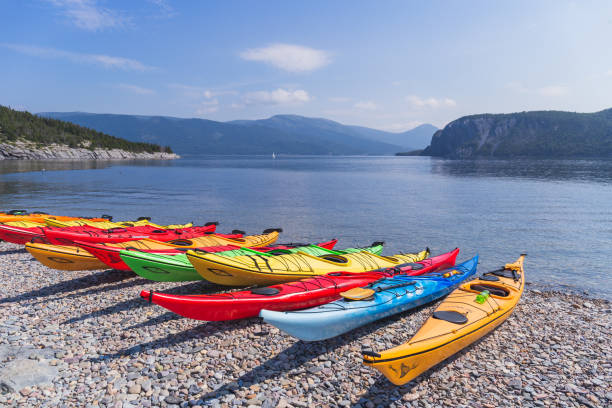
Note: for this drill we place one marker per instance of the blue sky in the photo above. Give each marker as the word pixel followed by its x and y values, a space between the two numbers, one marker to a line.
pixel 385 64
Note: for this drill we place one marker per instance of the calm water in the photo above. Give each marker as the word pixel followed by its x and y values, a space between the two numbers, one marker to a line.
pixel 559 212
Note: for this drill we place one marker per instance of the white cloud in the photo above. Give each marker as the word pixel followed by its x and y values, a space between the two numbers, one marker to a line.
pixel 366 105
pixel 136 89
pixel 88 15
pixel 289 57
pixel 106 61
pixel 277 97
pixel 339 99
pixel 609 73
pixel 433 103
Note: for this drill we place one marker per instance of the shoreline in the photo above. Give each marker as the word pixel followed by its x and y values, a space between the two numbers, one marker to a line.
pixel 30 151
pixel 94 341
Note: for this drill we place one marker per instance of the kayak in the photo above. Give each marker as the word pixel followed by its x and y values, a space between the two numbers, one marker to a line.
pixel 112 224
pixel 21 232
pixel 287 296
pixel 41 217
pixel 177 268
pixel 74 258
pixel 64 257
pixel 259 270
pixel 61 236
pixel 382 298
pixel 110 253
pixel 466 315
pixel 24 224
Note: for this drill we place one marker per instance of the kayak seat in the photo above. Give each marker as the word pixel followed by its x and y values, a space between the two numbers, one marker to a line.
pixel 413 266
pixel 450 316
pixel 271 230
pixel 182 242
pixel 334 258
pixel 494 290
pixel 506 273
pixel 266 291
pixel 279 252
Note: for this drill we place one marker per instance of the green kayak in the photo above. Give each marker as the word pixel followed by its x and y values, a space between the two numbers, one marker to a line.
pixel 177 268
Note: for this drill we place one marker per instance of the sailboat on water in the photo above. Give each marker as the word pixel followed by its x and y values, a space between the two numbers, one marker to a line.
pixel 273 155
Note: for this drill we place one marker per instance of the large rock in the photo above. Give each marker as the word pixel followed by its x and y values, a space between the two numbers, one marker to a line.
pixel 22 367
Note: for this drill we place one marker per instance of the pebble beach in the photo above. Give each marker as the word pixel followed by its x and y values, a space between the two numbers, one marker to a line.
pixel 86 339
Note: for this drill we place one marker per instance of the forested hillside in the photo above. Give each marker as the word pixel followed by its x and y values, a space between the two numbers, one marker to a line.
pixel 23 126
pixel 550 134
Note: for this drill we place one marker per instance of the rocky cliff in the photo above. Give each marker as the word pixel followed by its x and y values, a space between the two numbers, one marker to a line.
pixel 536 134
pixel 23 150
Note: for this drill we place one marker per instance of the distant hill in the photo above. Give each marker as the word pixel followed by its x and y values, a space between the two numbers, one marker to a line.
pixel 552 134
pixel 23 127
pixel 419 137
pixel 288 134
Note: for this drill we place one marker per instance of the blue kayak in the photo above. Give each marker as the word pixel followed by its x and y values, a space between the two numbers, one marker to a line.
pixel 390 296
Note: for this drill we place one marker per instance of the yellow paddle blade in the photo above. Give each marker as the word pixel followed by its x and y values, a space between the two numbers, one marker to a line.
pixel 358 293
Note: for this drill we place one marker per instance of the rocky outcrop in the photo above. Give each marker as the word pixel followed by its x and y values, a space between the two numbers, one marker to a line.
pixel 551 134
pixel 24 150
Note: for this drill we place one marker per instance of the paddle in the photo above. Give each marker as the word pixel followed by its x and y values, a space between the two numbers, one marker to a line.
pixel 366 293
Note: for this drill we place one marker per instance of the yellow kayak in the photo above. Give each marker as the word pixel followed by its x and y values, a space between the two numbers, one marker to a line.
pixel 110 224
pixel 64 258
pixel 466 315
pixel 40 217
pixel 73 258
pixel 264 270
pixel 24 224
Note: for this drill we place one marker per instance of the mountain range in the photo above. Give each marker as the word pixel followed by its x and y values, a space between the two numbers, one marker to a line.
pixel 284 134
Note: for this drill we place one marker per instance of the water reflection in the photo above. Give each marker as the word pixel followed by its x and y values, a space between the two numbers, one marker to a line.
pixel 537 169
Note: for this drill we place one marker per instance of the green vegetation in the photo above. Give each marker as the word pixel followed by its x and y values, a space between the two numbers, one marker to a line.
pixel 550 134
pixel 23 126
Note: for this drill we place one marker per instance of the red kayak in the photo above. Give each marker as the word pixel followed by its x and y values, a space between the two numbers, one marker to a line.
pixel 110 254
pixel 288 296
pixel 61 236
pixel 23 235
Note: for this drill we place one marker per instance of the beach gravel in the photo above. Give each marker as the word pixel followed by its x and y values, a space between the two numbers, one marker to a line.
pixel 86 339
